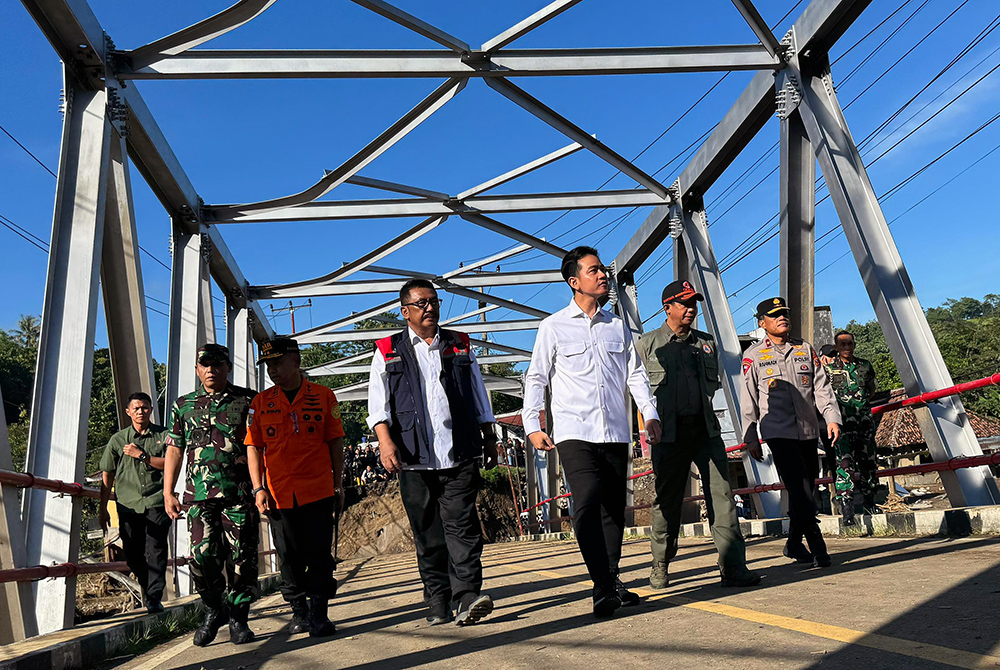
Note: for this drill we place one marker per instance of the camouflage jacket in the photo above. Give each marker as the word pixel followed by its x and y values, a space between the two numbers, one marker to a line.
pixel 211 428
pixel 853 384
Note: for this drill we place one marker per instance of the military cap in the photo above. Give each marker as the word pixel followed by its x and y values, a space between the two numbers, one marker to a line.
pixel 277 348
pixel 680 290
pixel 772 307
pixel 213 353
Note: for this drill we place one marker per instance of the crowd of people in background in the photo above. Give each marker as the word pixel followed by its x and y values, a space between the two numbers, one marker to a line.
pixel 363 466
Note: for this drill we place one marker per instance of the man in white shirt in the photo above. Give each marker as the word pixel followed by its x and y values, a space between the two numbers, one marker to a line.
pixel 429 407
pixel 586 356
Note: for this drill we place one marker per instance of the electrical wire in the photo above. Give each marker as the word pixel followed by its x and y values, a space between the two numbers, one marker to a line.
pixel 760 242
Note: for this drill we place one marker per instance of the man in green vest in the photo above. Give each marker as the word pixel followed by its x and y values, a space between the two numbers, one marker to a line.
pixel 133 464
pixel 683 367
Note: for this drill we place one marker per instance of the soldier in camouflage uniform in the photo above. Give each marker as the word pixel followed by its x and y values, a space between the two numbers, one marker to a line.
pixel 209 425
pixel 853 381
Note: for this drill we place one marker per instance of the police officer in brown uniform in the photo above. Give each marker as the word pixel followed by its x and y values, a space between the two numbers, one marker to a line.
pixel 784 385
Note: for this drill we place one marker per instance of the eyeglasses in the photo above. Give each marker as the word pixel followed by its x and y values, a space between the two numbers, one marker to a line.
pixel 423 304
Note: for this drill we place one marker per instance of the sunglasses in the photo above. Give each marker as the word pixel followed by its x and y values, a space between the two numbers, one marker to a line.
pixel 423 304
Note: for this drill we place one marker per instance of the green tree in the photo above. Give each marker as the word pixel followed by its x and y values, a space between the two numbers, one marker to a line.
pixel 967 332
pixel 353 412
pixel 18 351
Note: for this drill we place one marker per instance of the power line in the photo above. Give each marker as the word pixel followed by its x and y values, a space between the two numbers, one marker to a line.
pixel 761 242
pixel 37 160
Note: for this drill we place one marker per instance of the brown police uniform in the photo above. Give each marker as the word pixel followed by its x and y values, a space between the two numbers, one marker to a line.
pixel 783 386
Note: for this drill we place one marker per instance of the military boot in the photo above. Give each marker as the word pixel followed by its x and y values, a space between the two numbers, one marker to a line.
pixel 300 617
pixel 658 578
pixel 209 628
pixel 319 623
pixel 847 510
pixel 239 631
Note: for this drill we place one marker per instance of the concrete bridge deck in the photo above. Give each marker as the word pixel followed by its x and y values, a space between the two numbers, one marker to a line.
pixel 886 603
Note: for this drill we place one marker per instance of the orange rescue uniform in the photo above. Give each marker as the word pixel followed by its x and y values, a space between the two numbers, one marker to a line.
pixel 294 438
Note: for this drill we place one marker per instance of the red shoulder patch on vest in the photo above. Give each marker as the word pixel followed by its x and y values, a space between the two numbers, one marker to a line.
pixel 385 346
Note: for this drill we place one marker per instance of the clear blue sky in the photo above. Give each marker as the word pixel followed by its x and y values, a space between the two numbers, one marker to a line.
pixel 251 140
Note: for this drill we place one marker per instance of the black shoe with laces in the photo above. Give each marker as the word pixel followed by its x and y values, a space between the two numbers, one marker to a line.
pixel 606 601
pixel 473 607
pixel 741 579
pixel 627 598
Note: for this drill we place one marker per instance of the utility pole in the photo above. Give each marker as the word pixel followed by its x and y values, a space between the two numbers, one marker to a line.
pixel 291 309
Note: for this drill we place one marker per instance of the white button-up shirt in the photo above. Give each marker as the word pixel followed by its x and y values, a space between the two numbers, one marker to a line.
pixel 437 412
pixel 589 363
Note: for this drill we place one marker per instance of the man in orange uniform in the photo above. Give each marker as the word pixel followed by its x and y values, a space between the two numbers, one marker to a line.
pixel 295 442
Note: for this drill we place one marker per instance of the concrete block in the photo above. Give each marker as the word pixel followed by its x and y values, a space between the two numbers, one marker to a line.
pixel 925 522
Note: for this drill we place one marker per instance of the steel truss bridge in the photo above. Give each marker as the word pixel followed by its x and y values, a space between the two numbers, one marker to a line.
pixel 109 134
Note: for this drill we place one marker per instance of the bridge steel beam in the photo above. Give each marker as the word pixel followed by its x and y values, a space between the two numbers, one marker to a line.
pixel 820 26
pixel 944 424
pixel 797 237
pixel 17 602
pixel 57 442
pixel 122 289
pixel 703 272
pixel 440 64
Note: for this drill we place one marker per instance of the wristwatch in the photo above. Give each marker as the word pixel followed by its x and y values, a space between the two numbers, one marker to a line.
pixel 144 457
pixel 258 490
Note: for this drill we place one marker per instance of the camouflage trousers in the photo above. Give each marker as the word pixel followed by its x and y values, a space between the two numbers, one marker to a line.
pixel 854 454
pixel 224 542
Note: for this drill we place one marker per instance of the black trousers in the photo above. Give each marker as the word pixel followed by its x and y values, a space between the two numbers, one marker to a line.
pixel 798 467
pixel 144 538
pixel 303 538
pixel 441 506
pixel 597 477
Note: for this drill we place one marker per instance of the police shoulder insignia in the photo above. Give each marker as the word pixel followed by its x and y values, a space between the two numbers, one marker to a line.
pixel 747 363
pixel 335 411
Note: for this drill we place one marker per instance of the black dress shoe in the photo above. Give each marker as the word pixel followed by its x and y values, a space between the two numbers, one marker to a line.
pixel 472 608
pixel 154 606
pixel 798 553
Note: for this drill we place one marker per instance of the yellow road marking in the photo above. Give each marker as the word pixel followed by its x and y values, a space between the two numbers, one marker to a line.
pixel 921 650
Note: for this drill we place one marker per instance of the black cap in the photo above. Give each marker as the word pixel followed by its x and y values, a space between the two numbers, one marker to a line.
pixel 772 307
pixel 679 290
pixel 828 350
pixel 277 348
pixel 213 353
